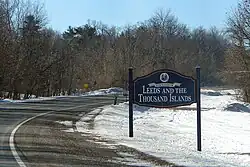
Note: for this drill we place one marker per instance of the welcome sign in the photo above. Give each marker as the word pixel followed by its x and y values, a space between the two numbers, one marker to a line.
pixel 164 88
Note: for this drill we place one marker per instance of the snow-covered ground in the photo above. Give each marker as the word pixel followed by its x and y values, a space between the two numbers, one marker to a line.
pixel 109 91
pixel 113 90
pixel 27 100
pixel 171 133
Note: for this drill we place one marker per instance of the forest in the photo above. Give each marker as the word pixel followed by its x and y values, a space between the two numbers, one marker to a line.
pixel 38 60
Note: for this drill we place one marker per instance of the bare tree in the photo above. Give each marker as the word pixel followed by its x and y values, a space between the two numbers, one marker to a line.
pixel 39 61
pixel 238 57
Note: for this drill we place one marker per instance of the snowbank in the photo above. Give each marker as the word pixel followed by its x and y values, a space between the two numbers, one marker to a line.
pixel 210 93
pixel 66 123
pixel 238 107
pixel 171 133
pixel 28 100
pixel 108 91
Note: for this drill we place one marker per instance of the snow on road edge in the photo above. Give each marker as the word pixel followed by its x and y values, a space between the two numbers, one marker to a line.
pixel 171 134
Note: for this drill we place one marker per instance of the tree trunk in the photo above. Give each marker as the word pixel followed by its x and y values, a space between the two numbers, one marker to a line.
pixel 48 92
pixel 37 94
pixel 15 96
pixel 69 91
pixel 26 96
pixel 246 95
pixel 9 96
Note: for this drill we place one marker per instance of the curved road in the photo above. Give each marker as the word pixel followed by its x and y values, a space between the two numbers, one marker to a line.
pixel 12 114
pixel 43 142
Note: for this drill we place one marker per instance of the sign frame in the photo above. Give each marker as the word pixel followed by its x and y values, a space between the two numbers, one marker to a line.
pixel 196 92
pixel 163 71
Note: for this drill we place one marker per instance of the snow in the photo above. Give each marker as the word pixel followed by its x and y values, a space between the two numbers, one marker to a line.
pixel 113 90
pixel 109 91
pixel 27 100
pixel 66 123
pixel 170 134
pixel 70 130
pixel 238 107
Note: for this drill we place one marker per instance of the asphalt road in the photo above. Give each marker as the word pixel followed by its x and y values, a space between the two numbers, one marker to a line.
pixel 14 113
pixel 41 141
pixel 8 120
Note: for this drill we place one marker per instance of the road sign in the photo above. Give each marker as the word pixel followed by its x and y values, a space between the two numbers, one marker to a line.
pixel 86 86
pixel 164 88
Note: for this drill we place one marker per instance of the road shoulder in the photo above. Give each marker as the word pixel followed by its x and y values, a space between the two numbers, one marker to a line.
pixel 42 142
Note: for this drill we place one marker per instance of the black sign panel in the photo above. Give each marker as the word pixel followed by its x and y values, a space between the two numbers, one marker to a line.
pixel 164 88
